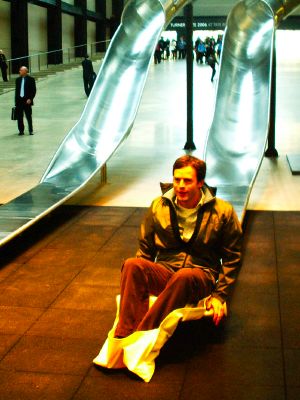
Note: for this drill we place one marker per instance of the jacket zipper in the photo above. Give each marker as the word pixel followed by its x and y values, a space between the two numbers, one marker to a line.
pixel 184 261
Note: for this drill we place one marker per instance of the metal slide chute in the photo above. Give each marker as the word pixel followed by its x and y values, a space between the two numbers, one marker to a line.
pixel 237 137
pixel 105 122
pixel 112 105
pixel 236 140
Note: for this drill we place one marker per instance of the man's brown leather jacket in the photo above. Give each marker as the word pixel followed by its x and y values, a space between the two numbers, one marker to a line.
pixel 215 245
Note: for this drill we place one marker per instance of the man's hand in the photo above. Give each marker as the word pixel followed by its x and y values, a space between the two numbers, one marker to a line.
pixel 217 307
pixel 28 101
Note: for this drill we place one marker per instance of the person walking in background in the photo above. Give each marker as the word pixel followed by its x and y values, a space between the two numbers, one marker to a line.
pixel 162 45
pixel 167 49
pixel 3 66
pixel 212 60
pixel 219 46
pixel 181 45
pixel 88 75
pixel 201 51
pixel 173 48
pixel 209 47
pixel 157 53
pixel 24 95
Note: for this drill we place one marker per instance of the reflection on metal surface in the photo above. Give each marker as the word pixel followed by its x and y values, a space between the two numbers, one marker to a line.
pixel 105 122
pixel 236 139
pixel 238 134
pixel 112 105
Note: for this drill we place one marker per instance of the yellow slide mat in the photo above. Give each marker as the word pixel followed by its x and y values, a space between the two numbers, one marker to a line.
pixel 138 351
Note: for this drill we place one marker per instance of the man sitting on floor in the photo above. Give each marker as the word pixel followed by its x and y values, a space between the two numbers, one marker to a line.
pixel 190 248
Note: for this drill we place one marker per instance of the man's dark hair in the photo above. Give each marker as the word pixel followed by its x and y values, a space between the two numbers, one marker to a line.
pixel 186 161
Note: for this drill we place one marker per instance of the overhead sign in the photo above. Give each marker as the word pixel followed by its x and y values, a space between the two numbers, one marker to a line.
pixel 200 23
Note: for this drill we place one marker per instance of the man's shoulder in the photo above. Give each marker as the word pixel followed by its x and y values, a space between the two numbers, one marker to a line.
pixel 86 62
pixel 160 201
pixel 223 204
pixel 225 208
pixel 157 200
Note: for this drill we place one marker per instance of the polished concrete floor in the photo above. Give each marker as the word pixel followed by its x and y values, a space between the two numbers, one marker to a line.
pixel 58 283
pixel 58 280
pixel 157 138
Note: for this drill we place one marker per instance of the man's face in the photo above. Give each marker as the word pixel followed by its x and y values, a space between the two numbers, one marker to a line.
pixel 23 71
pixel 186 186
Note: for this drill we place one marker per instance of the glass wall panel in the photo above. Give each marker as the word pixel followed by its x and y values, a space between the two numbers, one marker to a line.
pixel 37 36
pixel 91 5
pixel 5 43
pixel 68 37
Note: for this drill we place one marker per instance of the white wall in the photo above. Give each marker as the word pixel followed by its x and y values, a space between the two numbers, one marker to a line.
pixel 67 33
pixel 5 42
pixel 37 36
pixel 108 8
pixel 91 37
pixel 37 29
pixel 287 48
pixel 91 5
pixel 91 32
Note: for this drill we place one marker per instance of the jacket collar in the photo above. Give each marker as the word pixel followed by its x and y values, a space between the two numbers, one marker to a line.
pixel 209 197
pixel 209 194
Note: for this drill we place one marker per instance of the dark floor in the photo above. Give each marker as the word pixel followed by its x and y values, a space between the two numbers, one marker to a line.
pixel 58 283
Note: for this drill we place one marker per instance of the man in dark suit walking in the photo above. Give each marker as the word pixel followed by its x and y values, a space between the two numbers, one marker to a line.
pixel 24 95
pixel 88 75
pixel 3 66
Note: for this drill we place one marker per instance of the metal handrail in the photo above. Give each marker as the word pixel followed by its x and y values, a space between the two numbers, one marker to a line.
pixel 39 61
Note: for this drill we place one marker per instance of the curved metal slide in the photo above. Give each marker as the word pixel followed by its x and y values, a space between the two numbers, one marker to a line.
pixel 236 139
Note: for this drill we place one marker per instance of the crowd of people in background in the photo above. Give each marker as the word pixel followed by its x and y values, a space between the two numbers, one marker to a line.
pixel 206 51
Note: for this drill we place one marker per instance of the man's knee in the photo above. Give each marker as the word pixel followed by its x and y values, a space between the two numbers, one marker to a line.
pixel 133 266
pixel 183 277
pixel 190 277
pixel 190 282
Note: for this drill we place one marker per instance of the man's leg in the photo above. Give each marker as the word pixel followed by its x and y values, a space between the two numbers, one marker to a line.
pixel 20 114
pixel 187 286
pixel 4 73
pixel 91 83
pixel 139 279
pixel 86 86
pixel 213 72
pixel 28 113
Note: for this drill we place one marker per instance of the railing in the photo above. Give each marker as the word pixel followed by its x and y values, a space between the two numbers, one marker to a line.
pixel 42 61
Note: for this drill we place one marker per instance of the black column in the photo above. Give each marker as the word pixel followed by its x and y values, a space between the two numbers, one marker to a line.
pixel 19 33
pixel 271 150
pixel 117 9
pixel 188 12
pixel 54 34
pixel 101 26
pixel 80 27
